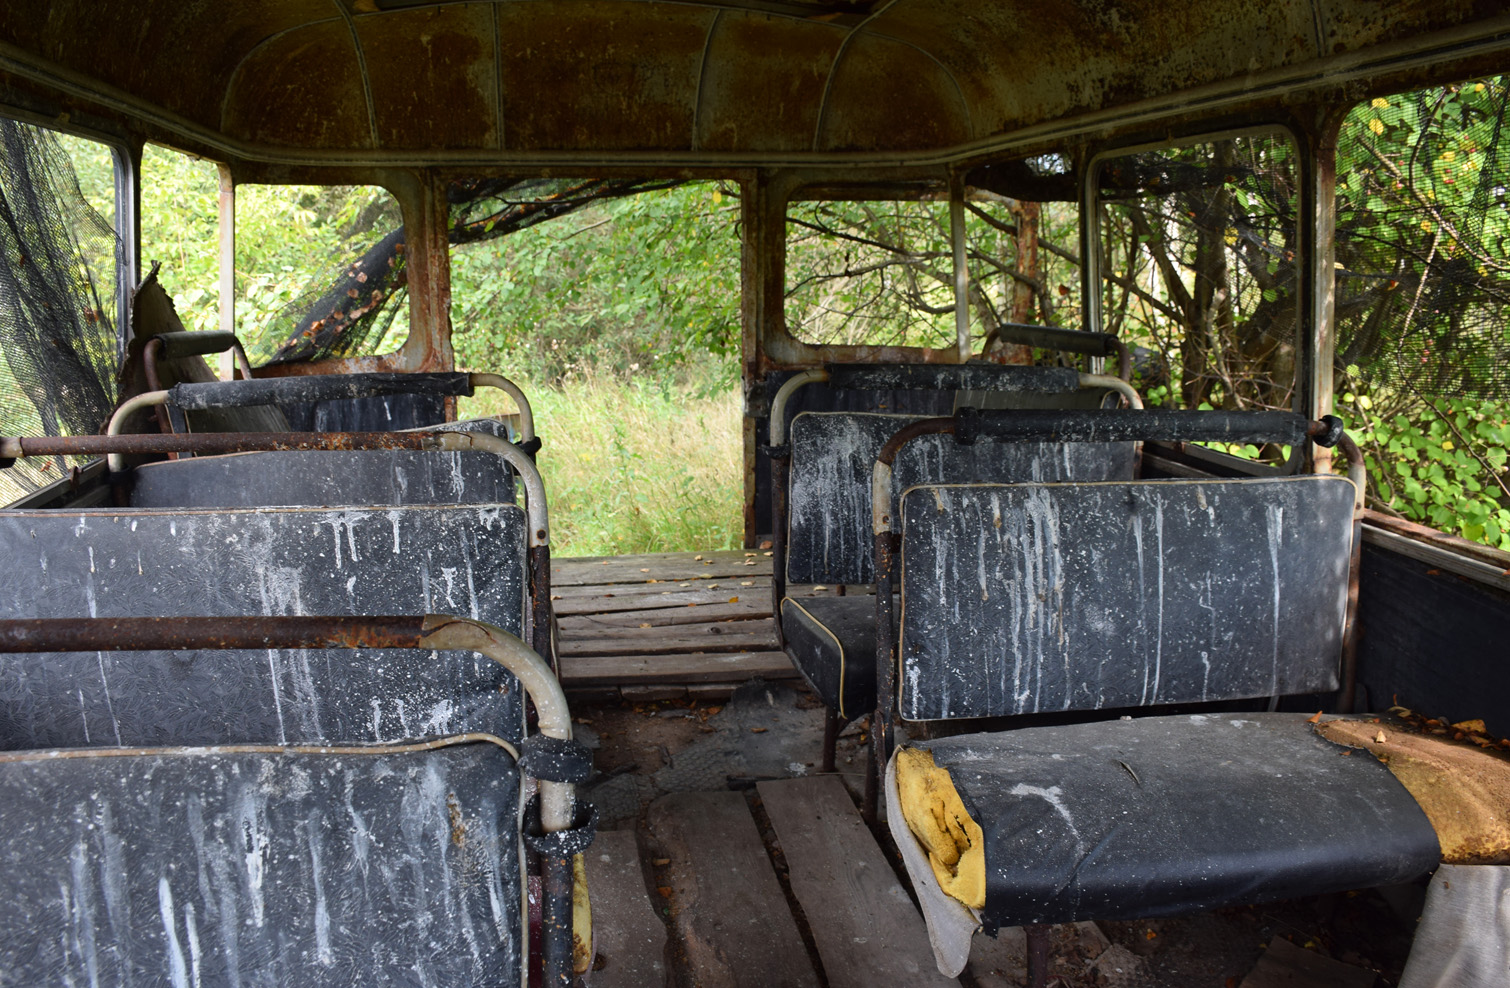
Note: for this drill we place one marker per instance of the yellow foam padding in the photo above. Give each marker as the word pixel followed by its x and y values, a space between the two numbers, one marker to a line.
pixel 581 917
pixel 937 818
pixel 1464 791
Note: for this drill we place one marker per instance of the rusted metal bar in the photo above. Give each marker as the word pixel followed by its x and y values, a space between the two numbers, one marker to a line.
pixel 154 383
pixel 169 633
pixel 832 724
pixel 886 547
pixel 781 458
pixel 542 636
pixel 1442 540
pixel 1039 942
pixel 1349 673
pixel 215 442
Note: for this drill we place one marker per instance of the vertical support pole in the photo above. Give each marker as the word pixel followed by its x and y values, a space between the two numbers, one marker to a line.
pixel 961 267
pixel 227 267
pixel 128 213
pixel 1318 279
pixel 427 218
pixel 753 264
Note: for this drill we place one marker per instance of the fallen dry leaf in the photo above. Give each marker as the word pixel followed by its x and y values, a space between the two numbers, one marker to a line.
pixel 644 569
pixel 766 544
pixel 747 583
pixel 661 862
pixel 1314 720
pixel 664 890
pixel 1380 738
pixel 697 557
pixel 645 625
pixel 758 730
pixel 733 600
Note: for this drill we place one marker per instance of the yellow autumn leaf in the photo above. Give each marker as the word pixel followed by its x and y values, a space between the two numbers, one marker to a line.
pixel 718 197
pixel 1376 125
pixel 1449 155
pixel 1426 225
pixel 1447 444
pixel 1379 103
pixel 1231 236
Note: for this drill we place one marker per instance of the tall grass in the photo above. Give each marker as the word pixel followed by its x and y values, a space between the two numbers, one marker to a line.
pixel 633 466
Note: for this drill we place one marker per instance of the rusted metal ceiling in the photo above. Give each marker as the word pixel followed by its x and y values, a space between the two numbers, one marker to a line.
pixel 719 81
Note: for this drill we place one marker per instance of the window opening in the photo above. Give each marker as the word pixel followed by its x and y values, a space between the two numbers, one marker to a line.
pixel 1423 302
pixel 1199 269
pixel 320 272
pixel 58 261
pixel 879 273
pixel 179 229
pixel 615 305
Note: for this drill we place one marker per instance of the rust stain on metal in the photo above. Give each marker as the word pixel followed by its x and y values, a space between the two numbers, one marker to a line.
pixel 143 634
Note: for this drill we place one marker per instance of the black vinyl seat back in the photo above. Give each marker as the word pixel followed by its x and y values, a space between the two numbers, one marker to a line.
pixel 330 477
pixel 467 560
pixel 1028 598
pixel 829 536
pixel 387 867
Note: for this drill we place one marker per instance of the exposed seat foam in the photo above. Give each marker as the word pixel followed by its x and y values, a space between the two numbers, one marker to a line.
pixel 262 867
pixel 832 641
pixel 1159 816
pixel 1464 791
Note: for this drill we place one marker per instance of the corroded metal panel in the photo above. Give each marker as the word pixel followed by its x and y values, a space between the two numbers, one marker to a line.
pixel 303 88
pixel 598 77
pixel 892 92
pixel 611 75
pixel 1038 597
pixel 262 869
pixel 467 561
pixel 829 539
pixel 737 110
pixel 432 76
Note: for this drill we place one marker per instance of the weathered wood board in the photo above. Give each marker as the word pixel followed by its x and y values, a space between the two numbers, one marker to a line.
pixel 728 909
pixel 867 931
pixel 629 939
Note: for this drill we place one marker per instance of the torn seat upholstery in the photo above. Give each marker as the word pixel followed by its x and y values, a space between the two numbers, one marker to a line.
pixel 1038 598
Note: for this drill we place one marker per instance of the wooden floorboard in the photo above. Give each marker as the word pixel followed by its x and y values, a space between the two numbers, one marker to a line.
pixel 697 667
pixel 654 641
pixel 867 931
pixel 664 619
pixel 576 571
pixel 629 939
pixel 728 910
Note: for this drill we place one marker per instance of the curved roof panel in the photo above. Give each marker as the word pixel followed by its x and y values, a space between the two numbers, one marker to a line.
pixel 692 78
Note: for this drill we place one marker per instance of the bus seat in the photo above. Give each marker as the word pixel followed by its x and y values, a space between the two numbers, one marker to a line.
pixel 330 477
pixel 263 866
pixel 832 639
pixel 462 559
pixel 1074 597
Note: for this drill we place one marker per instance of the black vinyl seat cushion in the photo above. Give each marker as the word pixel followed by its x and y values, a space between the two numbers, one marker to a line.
pixel 1159 816
pixel 832 642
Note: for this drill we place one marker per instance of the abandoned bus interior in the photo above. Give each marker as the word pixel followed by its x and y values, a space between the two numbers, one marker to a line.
pixel 1121 592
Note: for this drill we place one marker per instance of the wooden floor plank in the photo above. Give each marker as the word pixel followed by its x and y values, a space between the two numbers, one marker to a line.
pixel 608 603
pixel 667 616
pixel 629 939
pixel 728 909
pixel 735 583
pixel 660 565
pixel 665 642
pixel 699 667
pixel 867 931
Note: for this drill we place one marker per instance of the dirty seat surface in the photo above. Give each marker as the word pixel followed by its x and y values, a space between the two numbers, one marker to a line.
pixel 1158 816
pixel 264 868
